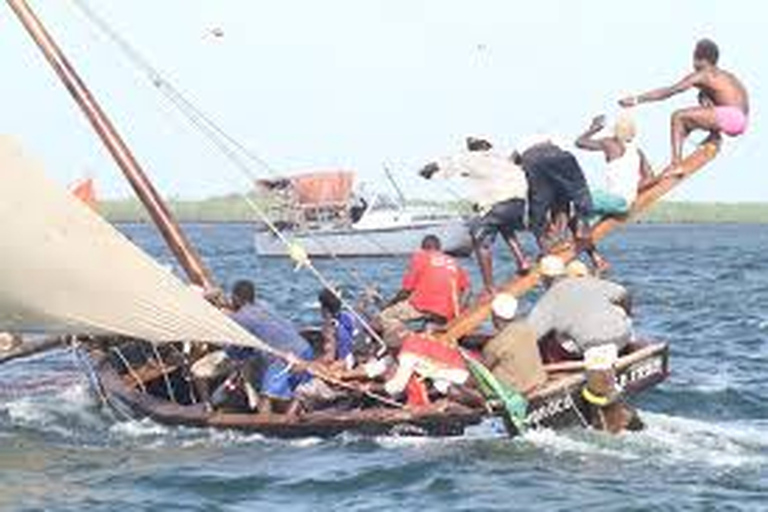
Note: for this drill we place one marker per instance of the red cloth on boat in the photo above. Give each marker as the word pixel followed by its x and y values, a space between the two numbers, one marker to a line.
pixel 416 393
pixel 436 351
pixel 323 188
pixel 436 282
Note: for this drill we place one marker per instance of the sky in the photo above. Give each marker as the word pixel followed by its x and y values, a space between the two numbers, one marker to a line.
pixel 359 84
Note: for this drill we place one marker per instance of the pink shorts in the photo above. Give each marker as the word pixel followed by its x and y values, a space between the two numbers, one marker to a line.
pixel 731 120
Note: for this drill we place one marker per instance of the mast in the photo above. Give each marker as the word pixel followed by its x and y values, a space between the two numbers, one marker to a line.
pixel 184 252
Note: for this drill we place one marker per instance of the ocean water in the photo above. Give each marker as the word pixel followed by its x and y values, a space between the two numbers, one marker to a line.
pixel 702 288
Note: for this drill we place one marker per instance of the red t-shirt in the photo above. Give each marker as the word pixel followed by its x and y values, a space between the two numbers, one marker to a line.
pixel 436 283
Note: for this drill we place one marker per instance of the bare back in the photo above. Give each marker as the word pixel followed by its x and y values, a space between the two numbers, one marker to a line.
pixel 723 88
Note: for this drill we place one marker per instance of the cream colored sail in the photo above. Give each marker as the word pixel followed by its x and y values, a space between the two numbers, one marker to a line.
pixel 64 269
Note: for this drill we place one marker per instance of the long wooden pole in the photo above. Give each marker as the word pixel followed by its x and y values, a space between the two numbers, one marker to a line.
pixel 183 251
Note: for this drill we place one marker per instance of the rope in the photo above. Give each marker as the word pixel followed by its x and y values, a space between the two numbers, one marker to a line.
pixel 129 368
pixel 214 133
pixel 168 386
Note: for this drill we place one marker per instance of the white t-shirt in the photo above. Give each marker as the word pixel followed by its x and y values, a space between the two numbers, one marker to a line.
pixel 495 178
pixel 623 174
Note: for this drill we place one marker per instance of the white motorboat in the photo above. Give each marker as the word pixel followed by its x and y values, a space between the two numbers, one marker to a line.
pixel 320 212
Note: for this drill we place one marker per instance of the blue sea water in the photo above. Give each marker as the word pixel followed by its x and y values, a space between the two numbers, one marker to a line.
pixel 702 288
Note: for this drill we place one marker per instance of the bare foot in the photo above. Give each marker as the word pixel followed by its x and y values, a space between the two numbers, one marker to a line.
pixel 486 295
pixel 602 266
pixel 524 268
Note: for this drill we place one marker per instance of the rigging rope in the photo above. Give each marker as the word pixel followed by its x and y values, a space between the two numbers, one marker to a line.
pixel 214 133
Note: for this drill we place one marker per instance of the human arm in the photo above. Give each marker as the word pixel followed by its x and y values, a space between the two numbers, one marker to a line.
pixel 705 100
pixel 410 279
pixel 586 141
pixel 617 295
pixel 646 172
pixel 329 341
pixel 400 296
pixel 663 93
pixel 540 317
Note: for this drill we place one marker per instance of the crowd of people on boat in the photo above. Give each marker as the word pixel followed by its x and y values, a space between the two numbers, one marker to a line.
pixel 397 355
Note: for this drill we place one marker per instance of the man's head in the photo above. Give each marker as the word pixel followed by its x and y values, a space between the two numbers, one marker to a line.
pixel 503 309
pixel 624 128
pixel 705 55
pixel 551 268
pixel 478 144
pixel 243 293
pixel 329 302
pixel 577 268
pixel 431 243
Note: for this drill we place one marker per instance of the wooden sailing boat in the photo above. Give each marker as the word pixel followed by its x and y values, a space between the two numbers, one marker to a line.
pixel 141 378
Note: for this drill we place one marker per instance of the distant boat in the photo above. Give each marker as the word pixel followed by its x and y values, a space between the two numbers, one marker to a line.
pixel 324 214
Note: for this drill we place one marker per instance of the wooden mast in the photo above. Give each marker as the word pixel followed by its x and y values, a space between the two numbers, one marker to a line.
pixel 189 259
pixel 473 317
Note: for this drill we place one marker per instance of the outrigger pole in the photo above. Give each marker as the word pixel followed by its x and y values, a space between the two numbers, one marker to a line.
pixel 184 252
pixel 666 181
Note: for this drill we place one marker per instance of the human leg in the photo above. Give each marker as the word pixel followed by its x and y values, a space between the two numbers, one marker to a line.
pixel 483 232
pixel 683 122
pixel 393 318
pixel 541 201
pixel 509 217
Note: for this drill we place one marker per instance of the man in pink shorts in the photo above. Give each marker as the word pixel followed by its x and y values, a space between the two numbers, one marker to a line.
pixel 724 103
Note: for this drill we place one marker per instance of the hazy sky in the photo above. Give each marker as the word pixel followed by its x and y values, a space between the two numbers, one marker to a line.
pixel 357 83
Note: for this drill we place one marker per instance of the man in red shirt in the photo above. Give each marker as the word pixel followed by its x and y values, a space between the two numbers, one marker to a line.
pixel 432 289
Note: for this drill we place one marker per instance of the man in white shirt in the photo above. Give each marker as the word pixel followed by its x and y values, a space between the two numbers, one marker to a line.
pixel 500 196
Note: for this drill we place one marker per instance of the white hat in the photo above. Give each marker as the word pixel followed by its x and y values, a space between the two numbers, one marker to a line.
pixel 552 266
pixel 504 306
pixel 577 268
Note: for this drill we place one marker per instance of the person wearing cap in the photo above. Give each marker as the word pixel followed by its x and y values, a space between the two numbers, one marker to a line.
pixel 627 171
pixel 500 193
pixel 556 187
pixel 577 268
pixel 512 354
pixel 581 312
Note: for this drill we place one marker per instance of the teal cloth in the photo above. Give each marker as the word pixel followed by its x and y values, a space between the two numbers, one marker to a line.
pixel 605 204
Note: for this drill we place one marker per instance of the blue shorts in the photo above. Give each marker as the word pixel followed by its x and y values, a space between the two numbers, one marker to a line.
pixel 279 382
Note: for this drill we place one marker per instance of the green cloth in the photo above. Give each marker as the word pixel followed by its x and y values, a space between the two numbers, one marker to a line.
pixel 515 404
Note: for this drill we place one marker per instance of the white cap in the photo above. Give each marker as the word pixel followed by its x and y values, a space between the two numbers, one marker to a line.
pixel 577 268
pixel 504 306
pixel 552 266
pixel 601 357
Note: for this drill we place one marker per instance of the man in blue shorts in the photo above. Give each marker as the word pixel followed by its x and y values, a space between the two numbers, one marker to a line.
pixel 280 379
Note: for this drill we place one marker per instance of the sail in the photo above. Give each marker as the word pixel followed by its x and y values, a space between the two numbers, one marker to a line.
pixel 66 270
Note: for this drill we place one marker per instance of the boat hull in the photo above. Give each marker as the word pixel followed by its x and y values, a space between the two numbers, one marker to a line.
pixel 348 242
pixel 558 404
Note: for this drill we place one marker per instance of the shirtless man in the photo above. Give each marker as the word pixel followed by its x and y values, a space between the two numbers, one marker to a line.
pixel 723 100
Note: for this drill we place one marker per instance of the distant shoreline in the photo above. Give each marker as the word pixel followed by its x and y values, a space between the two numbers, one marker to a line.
pixel 232 209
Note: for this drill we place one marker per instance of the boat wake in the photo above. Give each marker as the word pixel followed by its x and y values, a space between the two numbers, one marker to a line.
pixel 667 440
pixel 73 416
